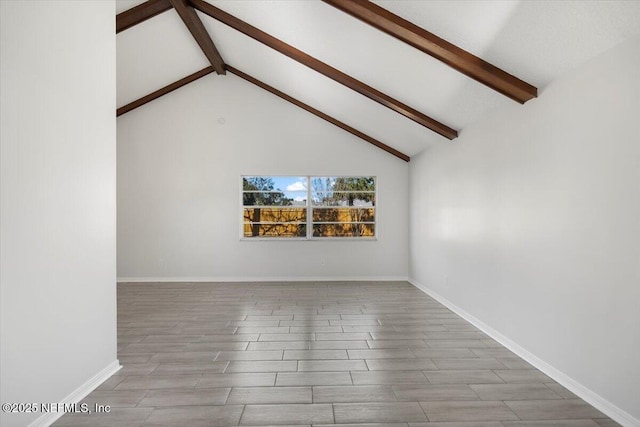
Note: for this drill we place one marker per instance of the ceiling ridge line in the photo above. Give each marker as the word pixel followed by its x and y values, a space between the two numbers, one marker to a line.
pixel 324 69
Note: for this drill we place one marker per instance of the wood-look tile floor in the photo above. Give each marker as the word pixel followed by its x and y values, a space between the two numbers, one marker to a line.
pixel 260 354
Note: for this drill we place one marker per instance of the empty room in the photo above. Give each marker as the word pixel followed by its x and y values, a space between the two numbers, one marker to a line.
pixel 386 213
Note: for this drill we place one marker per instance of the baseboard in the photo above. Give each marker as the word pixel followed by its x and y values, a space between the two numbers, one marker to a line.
pixel 77 395
pixel 233 279
pixel 603 405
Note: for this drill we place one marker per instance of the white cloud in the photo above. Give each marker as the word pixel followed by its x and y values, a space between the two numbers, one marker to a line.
pixel 297 186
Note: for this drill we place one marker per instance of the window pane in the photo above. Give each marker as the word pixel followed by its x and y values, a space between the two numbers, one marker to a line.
pixel 343 199
pixel 274 191
pixel 343 215
pixel 298 198
pixel 277 183
pixel 274 198
pixel 343 183
pixel 322 184
pixel 275 214
pixel 275 230
pixel 343 230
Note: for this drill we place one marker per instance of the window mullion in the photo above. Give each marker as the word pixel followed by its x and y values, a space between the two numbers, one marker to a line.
pixel 309 210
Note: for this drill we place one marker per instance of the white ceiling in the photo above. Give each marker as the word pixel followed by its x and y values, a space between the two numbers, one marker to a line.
pixel 537 41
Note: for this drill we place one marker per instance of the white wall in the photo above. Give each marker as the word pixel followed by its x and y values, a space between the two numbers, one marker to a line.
pixel 179 179
pixel 58 315
pixel 530 222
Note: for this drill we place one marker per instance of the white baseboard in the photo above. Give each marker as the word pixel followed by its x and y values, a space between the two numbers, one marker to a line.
pixel 218 279
pixel 594 399
pixel 77 395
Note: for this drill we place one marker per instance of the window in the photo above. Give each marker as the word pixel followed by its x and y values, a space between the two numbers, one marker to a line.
pixel 269 211
pixel 311 207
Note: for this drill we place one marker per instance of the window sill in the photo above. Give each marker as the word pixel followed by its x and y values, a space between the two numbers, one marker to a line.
pixel 304 239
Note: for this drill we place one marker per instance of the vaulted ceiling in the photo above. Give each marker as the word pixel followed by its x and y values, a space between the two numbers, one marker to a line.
pixel 371 78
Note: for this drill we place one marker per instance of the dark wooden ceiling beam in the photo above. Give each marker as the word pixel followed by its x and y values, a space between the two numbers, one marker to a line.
pixel 199 32
pixel 163 91
pixel 324 69
pixel 429 43
pixel 318 113
pixel 141 13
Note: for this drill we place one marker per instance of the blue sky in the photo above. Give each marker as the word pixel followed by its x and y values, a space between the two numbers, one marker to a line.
pixel 294 187
pixel 291 183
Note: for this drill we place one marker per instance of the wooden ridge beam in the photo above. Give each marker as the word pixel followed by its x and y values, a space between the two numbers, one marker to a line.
pixel 199 32
pixel 429 43
pixel 163 91
pixel 318 113
pixel 141 13
pixel 324 69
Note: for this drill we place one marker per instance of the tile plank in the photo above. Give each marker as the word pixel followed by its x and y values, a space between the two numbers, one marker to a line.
pixel 468 411
pixel 378 412
pixel 351 394
pixel 264 395
pixel 287 414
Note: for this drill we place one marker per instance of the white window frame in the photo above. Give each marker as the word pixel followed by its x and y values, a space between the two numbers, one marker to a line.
pixel 309 222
